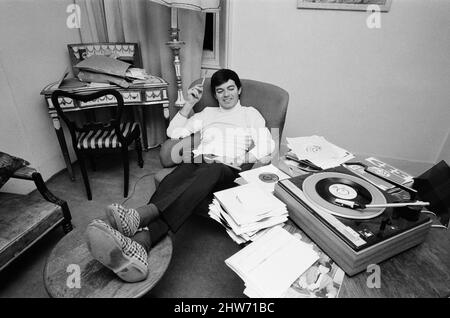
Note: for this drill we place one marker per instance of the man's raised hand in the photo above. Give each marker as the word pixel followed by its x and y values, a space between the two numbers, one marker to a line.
pixel 194 94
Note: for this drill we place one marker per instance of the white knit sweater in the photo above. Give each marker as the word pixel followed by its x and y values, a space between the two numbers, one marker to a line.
pixel 224 131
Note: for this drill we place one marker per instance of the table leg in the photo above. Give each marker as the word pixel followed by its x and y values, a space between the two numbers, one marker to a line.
pixel 62 143
pixel 166 114
pixel 143 121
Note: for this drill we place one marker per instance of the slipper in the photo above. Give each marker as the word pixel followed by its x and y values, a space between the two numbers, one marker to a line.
pixel 126 221
pixel 122 255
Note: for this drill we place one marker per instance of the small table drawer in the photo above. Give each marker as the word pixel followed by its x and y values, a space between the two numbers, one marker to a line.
pixel 155 95
pixel 63 101
pixel 131 96
pixel 104 100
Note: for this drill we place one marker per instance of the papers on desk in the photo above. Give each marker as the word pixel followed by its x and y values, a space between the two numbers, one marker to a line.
pixel 318 151
pixel 136 73
pixel 140 76
pixel 101 64
pixel 107 69
pixel 270 265
pixel 247 211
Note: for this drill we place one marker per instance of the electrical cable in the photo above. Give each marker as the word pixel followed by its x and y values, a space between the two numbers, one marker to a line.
pixel 429 212
pixel 438 226
pixel 134 187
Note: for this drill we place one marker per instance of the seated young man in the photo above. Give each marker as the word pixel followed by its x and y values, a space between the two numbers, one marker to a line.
pixel 231 135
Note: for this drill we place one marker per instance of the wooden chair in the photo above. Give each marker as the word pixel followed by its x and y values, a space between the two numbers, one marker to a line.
pixel 95 137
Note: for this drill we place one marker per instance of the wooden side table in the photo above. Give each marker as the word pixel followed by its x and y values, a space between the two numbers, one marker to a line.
pixel 147 94
pixel 71 257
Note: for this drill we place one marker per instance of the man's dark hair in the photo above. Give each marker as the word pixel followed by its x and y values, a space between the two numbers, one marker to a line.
pixel 223 76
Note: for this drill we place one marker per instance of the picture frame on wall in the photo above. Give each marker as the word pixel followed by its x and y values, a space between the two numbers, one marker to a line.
pixel 348 5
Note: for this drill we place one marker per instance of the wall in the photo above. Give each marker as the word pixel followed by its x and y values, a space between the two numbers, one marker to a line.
pixel 33 53
pixel 380 92
pixel 12 138
pixel 444 154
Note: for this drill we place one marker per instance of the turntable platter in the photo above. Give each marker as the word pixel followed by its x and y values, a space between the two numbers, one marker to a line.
pixel 324 188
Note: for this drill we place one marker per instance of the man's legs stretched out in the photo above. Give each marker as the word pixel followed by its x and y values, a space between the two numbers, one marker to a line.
pixel 121 246
pixel 150 236
pixel 123 249
pixel 186 187
pixel 128 221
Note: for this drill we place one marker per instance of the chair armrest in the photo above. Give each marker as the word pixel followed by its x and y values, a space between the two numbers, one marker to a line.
pixel 176 151
pixel 25 173
pixel 28 173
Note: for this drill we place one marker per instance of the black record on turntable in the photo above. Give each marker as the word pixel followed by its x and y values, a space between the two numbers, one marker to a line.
pixel 323 188
pixel 331 189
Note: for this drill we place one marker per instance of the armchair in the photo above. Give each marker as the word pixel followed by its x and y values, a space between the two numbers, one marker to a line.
pixel 25 219
pixel 270 100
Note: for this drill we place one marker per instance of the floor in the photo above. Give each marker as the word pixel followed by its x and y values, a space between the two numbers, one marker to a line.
pixel 197 268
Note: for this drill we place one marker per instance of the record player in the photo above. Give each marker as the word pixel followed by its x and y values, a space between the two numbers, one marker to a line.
pixel 353 237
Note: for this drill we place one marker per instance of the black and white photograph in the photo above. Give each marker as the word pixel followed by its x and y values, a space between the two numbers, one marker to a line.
pixel 217 156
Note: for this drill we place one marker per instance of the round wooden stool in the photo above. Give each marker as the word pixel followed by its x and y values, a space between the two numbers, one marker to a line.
pixel 71 271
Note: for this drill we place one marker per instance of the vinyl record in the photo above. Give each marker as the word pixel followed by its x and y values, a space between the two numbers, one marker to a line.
pixel 331 189
pixel 268 177
pixel 322 188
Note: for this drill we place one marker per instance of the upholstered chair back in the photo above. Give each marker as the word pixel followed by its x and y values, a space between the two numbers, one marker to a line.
pixel 271 101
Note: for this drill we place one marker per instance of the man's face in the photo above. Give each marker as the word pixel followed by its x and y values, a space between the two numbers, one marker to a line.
pixel 227 94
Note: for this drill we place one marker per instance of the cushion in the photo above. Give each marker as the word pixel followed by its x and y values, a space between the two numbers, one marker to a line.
pixel 24 219
pixel 8 165
pixel 103 64
pixel 87 76
pixel 105 138
pixel 161 174
pixel 270 100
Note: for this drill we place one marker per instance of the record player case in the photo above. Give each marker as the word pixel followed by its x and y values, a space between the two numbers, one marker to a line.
pixel 353 244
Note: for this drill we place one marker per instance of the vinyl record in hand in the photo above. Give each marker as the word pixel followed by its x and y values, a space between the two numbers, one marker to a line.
pixel 268 177
pixel 331 189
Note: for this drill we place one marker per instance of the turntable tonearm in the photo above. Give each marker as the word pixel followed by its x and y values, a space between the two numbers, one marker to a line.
pixel 353 238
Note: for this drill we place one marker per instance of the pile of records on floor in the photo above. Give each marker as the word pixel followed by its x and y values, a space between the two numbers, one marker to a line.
pixel 271 266
pixel 247 211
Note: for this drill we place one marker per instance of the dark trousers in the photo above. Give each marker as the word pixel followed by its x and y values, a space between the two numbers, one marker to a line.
pixel 188 186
